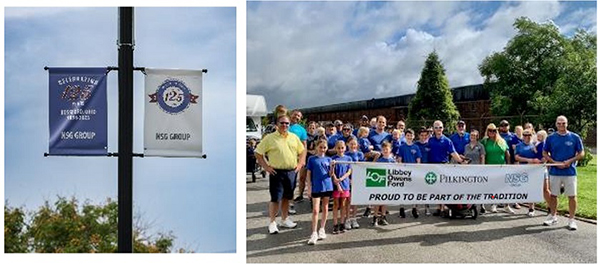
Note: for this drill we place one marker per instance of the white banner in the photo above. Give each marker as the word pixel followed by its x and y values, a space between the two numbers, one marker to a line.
pixel 173 113
pixel 393 184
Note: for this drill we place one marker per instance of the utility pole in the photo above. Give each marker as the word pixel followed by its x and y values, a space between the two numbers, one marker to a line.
pixel 125 129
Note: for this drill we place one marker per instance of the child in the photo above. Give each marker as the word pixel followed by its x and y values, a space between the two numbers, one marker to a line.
pixel 365 145
pixel 423 144
pixel 380 210
pixel 396 141
pixel 320 188
pixel 409 153
pixel 356 156
pixel 340 174
pixel 367 149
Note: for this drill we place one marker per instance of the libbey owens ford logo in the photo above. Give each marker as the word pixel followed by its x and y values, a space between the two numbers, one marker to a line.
pixel 173 96
pixel 378 177
pixel 516 179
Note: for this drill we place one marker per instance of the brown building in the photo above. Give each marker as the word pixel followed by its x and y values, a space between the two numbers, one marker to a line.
pixel 473 103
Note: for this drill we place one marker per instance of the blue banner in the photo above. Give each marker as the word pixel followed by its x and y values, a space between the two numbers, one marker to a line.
pixel 78 116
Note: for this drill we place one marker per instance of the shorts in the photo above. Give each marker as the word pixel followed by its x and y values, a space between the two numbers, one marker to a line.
pixel 321 194
pixel 282 185
pixel 570 183
pixel 341 194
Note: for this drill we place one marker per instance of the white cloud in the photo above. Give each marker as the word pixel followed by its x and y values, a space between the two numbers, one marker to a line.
pixel 311 54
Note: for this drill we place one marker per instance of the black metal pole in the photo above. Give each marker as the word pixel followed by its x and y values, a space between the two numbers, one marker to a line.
pixel 125 174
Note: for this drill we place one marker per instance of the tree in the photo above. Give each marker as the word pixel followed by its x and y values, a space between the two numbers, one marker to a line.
pixel 433 100
pixel 543 73
pixel 68 227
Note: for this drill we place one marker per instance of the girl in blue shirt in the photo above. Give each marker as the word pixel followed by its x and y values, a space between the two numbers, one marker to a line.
pixel 340 175
pixel 320 188
pixel 380 210
pixel 357 156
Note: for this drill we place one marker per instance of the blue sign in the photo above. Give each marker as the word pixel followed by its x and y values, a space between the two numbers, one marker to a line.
pixel 78 116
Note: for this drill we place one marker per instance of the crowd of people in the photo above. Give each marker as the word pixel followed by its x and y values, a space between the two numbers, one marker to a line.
pixel 316 157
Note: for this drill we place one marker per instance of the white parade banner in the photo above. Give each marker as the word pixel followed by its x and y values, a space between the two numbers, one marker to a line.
pixel 394 184
pixel 173 113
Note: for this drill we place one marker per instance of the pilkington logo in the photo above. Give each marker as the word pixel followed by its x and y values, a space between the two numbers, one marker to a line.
pixel 376 177
pixel 430 178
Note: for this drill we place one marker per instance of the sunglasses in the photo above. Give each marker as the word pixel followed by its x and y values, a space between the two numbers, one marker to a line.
pixel 561 123
pixel 438 128
pixel 284 123
pixel 524 135
pixel 494 131
pixel 346 129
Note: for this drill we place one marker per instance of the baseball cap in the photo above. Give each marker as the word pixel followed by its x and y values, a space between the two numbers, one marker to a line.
pixel 503 122
pixel 461 122
pixel 337 122
pixel 364 117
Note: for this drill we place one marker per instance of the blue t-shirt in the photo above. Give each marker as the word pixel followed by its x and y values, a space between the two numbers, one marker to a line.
pixel 331 140
pixel 440 149
pixel 341 169
pixel 424 148
pixel 511 139
pixel 377 139
pixel 363 145
pixel 526 151
pixel 299 131
pixel 396 147
pixel 356 156
pixel 540 148
pixel 561 148
pixel 319 173
pixel 409 153
pixel 386 159
pixel 460 142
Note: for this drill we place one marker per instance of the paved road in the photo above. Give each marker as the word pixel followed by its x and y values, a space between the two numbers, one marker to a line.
pixel 492 238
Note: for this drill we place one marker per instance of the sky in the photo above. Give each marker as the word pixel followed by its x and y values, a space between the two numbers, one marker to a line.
pixel 319 53
pixel 193 198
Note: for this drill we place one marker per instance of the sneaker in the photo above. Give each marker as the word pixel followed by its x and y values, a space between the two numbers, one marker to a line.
pixel 299 199
pixel 572 225
pixel 415 213
pixel 322 234
pixel 551 220
pixel 273 228
pixel 341 228
pixel 517 206
pixel 288 223
pixel 508 209
pixel 348 225
pixel 367 212
pixel 383 221
pixel 375 221
pixel 313 238
pixel 355 224
pixel 335 229
pixel 494 210
pixel 531 213
pixel 292 210
pixel 402 214
pixel 482 211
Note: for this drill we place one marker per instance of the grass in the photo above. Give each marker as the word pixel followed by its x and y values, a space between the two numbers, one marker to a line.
pixel 586 192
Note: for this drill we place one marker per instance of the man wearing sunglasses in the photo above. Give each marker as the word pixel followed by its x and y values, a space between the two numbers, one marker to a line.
pixel 441 147
pixel 286 156
pixel 564 148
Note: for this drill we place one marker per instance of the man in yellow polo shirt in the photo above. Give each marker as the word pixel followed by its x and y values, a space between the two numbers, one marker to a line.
pixel 286 157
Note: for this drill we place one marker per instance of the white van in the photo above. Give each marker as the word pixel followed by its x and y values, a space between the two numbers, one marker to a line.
pixel 256 108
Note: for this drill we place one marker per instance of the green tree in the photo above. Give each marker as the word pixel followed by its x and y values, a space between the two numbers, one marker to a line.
pixel 67 226
pixel 541 72
pixel 433 100
pixel 15 238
